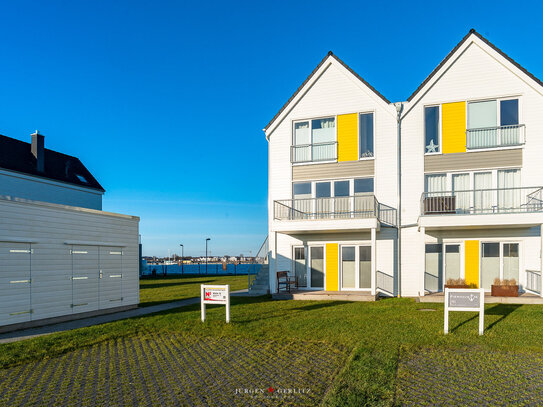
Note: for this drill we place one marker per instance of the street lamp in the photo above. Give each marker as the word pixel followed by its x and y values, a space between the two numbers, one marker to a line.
pixel 182 257
pixel 207 240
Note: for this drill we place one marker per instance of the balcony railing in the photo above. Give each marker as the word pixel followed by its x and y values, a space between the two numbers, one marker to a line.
pixel 305 153
pixel 492 137
pixel 533 281
pixel 345 207
pixel 483 201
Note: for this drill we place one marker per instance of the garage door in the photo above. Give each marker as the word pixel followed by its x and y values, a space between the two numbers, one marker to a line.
pixel 15 304
pixel 111 261
pixel 85 278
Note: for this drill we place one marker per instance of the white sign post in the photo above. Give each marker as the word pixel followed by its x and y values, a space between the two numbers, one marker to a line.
pixel 215 294
pixel 465 299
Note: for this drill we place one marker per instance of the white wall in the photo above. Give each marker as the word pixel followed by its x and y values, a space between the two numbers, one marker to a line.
pixel 41 189
pixel 52 231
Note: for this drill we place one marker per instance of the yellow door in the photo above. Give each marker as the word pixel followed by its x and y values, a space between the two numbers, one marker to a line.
pixel 472 262
pixel 332 259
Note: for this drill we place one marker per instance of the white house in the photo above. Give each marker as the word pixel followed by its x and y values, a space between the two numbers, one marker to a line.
pixel 471 198
pixel 61 256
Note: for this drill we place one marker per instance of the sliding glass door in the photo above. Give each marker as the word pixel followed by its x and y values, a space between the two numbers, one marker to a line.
pixel 499 260
pixel 356 267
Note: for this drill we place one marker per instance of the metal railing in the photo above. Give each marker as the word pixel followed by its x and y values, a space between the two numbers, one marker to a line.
pixel 482 201
pixel 385 283
pixel 533 281
pixel 491 137
pixel 344 207
pixel 315 152
pixel 260 263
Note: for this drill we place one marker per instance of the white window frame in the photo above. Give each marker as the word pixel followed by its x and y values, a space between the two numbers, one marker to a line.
pixel 501 242
pixel 358 136
pixel 308 263
pixel 356 246
pixel 439 129
pixel 310 121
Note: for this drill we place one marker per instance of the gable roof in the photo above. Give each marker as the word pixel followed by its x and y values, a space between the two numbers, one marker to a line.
pixel 453 51
pixel 16 155
pixel 329 55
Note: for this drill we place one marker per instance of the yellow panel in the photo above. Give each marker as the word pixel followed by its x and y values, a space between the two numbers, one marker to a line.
pixel 472 262
pixel 453 135
pixel 332 275
pixel 347 137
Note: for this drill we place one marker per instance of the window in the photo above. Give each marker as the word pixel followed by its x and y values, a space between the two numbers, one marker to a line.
pixel 302 190
pixel 365 129
pixel 433 277
pixel 499 260
pixel 82 178
pixel 314 140
pixel 322 190
pixel 300 268
pixel 341 188
pixel 436 183
pixel 431 129
pixel 493 123
pixel 363 185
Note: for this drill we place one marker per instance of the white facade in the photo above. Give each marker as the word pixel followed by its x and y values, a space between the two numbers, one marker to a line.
pixel 333 90
pixel 58 260
pixel 47 190
pixel 472 239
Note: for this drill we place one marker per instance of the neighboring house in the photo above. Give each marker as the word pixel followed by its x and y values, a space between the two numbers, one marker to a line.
pixel 31 171
pixel 471 198
pixel 472 164
pixel 61 257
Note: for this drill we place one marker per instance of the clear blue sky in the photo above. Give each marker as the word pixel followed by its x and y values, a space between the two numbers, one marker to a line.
pixel 165 101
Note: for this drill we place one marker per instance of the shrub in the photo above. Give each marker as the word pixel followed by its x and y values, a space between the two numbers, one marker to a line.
pixel 505 282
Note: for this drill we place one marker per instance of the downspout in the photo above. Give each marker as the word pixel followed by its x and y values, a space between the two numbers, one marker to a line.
pixel 399 108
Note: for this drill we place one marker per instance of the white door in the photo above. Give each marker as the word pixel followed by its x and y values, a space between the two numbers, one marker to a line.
pixel 85 278
pixel 111 277
pixel 453 262
pixel 15 280
pixel 316 266
pixel 356 267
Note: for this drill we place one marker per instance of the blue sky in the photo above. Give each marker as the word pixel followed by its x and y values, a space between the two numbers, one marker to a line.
pixel 165 101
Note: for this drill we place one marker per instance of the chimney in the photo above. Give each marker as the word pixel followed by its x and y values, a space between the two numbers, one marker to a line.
pixel 38 150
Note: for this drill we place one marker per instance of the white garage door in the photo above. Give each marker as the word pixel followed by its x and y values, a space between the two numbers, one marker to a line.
pixel 85 278
pixel 15 278
pixel 111 268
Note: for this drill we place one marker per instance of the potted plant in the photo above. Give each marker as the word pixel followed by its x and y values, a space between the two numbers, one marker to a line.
pixel 456 283
pixel 504 288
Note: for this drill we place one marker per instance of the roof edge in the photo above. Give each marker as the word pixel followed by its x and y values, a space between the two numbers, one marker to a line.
pixel 329 54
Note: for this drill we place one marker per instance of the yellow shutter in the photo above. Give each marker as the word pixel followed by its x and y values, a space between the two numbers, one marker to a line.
pixel 453 135
pixel 332 276
pixel 471 248
pixel 347 137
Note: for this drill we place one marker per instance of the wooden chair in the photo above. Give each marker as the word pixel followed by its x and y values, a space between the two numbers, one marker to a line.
pixel 283 279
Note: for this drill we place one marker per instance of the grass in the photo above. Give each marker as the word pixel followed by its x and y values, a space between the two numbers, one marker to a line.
pixel 173 288
pixel 371 335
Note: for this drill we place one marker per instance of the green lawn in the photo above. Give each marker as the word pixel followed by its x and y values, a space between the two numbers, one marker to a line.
pixel 172 288
pixel 371 336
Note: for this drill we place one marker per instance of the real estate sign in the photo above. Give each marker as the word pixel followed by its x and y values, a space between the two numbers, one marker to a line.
pixel 215 294
pixel 465 299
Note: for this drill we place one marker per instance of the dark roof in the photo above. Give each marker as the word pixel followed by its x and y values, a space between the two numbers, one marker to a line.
pixel 450 54
pixel 16 155
pixel 330 53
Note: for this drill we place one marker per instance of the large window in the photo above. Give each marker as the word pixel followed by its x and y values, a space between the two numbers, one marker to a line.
pixel 431 129
pixel 365 128
pixel 499 260
pixel 314 140
pixel 493 123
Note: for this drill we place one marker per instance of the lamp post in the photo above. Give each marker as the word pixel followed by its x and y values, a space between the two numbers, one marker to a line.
pixel 207 240
pixel 182 257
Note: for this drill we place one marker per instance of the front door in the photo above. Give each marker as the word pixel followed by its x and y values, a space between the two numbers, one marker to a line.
pixel 111 274
pixel 300 266
pixel 453 263
pixel 317 266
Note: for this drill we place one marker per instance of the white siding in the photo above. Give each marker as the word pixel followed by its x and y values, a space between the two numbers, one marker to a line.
pixel 37 189
pixel 53 232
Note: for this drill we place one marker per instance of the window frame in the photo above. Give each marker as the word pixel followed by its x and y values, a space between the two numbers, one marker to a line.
pixel 501 243
pixel 372 112
pixel 332 181
pixel 439 128
pixel 310 121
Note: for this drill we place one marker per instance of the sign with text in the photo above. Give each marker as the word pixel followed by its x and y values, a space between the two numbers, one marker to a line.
pixel 465 299
pixel 215 294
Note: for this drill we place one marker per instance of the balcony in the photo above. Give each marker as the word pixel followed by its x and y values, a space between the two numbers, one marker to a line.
pixel 317 152
pixel 462 208
pixel 495 137
pixel 343 213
